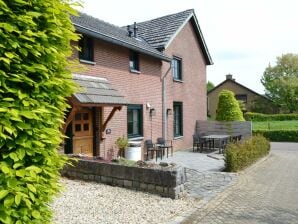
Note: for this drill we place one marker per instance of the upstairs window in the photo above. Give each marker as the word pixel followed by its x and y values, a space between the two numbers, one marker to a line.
pixel 134 61
pixel 86 46
pixel 177 68
pixel 241 97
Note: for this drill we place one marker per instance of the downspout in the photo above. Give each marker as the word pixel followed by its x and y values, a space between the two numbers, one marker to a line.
pixel 164 101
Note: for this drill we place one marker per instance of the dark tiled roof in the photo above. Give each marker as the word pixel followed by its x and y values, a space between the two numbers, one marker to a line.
pixel 99 29
pixel 97 90
pixel 158 32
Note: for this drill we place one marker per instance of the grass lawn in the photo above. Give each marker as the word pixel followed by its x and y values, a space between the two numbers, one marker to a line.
pixel 275 125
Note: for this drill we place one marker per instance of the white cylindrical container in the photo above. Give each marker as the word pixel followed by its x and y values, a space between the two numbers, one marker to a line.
pixel 133 151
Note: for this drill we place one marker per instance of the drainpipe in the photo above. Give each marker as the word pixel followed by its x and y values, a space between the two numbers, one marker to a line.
pixel 164 101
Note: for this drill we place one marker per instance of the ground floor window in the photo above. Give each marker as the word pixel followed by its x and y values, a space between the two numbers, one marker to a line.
pixel 134 120
pixel 178 119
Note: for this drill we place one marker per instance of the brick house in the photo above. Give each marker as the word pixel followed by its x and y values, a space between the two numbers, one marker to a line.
pixel 252 100
pixel 143 81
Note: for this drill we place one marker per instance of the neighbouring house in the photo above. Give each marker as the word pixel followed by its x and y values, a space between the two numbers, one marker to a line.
pixel 252 101
pixel 143 81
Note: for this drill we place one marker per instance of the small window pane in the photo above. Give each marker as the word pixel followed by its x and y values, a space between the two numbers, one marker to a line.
pixel 134 61
pixel 86 46
pixel 78 116
pixel 78 127
pixel 86 116
pixel 178 119
pixel 86 127
pixel 177 69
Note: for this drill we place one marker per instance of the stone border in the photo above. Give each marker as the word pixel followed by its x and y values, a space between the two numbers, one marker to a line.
pixel 165 181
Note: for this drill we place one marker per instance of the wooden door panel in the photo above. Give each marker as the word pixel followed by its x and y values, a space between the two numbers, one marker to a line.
pixel 83 145
pixel 83 132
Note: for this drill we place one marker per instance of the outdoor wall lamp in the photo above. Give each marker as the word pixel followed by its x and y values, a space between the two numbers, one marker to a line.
pixel 152 112
pixel 169 111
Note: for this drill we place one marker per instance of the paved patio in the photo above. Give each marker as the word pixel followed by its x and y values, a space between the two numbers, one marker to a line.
pixel 211 162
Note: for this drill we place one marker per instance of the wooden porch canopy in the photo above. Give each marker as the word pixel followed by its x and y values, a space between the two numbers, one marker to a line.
pixel 94 92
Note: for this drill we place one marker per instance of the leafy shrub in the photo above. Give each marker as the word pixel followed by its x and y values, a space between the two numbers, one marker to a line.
pixel 279 135
pixel 122 144
pixel 228 107
pixel 250 116
pixel 242 154
pixel 35 43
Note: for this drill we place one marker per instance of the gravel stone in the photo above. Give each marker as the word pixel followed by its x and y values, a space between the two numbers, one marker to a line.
pixel 94 203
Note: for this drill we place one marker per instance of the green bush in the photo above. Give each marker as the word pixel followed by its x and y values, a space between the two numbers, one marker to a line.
pixel 228 107
pixel 242 154
pixel 250 116
pixel 279 135
pixel 34 83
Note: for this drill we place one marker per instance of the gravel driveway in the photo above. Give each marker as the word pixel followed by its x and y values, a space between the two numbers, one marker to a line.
pixel 90 203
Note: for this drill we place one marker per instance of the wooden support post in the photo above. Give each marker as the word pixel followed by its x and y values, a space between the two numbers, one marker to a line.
pixel 69 118
pixel 104 126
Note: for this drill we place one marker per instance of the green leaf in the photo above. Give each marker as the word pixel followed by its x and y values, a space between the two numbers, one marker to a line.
pixel 9 55
pixel 34 168
pixel 36 214
pixel 17 199
pixel 14 156
pixel 31 188
pixel 21 173
pixel 3 193
pixel 5 169
pixel 8 201
pixel 12 183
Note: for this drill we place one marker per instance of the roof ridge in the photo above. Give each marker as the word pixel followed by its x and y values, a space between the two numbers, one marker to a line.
pixel 100 20
pixel 172 14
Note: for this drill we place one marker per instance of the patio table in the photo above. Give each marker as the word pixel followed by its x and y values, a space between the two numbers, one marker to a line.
pixel 222 139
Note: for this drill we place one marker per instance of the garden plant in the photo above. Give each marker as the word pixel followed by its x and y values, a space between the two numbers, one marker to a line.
pixel 35 80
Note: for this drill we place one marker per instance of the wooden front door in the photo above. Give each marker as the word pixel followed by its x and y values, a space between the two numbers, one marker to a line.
pixel 82 128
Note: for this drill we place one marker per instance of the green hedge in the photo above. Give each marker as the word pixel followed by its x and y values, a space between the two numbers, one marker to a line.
pixel 250 116
pixel 242 154
pixel 279 135
pixel 36 84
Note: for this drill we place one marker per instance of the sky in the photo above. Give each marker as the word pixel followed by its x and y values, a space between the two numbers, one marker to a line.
pixel 243 36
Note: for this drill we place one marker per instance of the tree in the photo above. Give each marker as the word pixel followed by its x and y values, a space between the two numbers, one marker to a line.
pixel 35 44
pixel 228 108
pixel 210 86
pixel 281 82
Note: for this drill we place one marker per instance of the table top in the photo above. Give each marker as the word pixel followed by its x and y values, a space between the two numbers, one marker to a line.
pixel 216 136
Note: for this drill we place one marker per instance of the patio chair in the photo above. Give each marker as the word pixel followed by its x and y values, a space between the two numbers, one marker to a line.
pixel 151 148
pixel 165 145
pixel 199 143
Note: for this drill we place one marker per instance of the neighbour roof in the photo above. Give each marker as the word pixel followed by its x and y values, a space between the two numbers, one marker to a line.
pixel 105 31
pixel 232 80
pixel 95 90
pixel 160 32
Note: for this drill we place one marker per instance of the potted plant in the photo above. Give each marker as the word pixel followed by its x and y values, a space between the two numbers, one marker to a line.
pixel 122 144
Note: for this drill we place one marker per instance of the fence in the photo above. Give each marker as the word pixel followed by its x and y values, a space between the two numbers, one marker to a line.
pixel 243 128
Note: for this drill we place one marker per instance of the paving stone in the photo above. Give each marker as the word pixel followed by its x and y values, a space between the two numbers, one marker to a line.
pixel 264 193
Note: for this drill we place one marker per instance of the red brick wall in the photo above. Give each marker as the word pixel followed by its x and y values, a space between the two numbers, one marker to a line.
pixel 192 91
pixel 112 62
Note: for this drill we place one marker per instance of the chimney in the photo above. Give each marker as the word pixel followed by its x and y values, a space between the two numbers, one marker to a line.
pixel 129 31
pixel 135 30
pixel 229 77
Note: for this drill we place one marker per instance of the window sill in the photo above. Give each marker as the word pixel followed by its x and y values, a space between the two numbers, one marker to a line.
pixel 178 137
pixel 178 80
pixel 135 139
pixel 135 71
pixel 87 62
